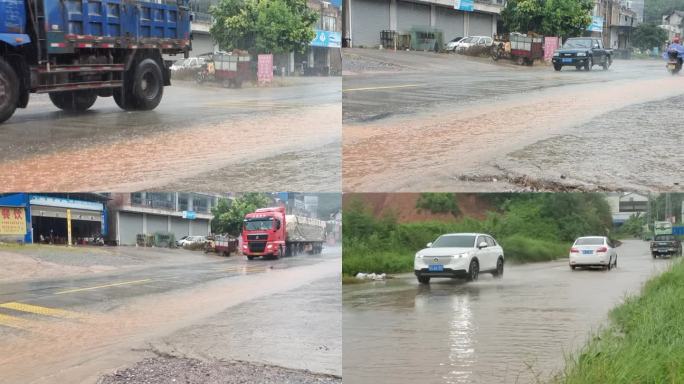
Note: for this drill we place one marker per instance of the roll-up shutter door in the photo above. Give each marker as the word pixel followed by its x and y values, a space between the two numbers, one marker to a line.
pixel 130 225
pixel 369 17
pixel 411 15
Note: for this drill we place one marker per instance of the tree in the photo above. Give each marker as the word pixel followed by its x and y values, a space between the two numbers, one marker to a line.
pixel 647 36
pixel 566 18
pixel 655 9
pixel 228 216
pixel 548 17
pixel 263 26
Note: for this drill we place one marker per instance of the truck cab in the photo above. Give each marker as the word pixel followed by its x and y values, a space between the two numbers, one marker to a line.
pixel 264 233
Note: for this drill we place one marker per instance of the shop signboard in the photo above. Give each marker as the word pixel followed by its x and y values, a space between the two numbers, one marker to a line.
pixel 12 221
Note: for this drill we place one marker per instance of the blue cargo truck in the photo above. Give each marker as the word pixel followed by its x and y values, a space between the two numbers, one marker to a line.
pixel 77 50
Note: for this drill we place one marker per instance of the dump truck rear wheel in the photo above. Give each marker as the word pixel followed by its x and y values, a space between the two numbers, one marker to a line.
pixel 73 101
pixel 9 90
pixel 148 85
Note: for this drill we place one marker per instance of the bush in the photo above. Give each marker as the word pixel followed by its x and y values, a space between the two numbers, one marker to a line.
pixel 438 203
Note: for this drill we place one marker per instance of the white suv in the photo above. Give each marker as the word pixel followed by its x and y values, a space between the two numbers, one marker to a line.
pixel 459 255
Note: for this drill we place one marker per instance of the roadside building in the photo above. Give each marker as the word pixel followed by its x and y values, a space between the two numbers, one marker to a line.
pixel 614 21
pixel 148 213
pixel 673 23
pixel 202 42
pixel 625 205
pixel 323 56
pixel 48 218
pixel 366 19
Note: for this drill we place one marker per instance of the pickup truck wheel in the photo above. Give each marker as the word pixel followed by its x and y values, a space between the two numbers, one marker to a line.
pixel 606 64
pixel 148 85
pixel 9 90
pixel 74 101
pixel 557 67
pixel 590 63
pixel 474 271
pixel 424 279
pixel 654 255
pixel 250 257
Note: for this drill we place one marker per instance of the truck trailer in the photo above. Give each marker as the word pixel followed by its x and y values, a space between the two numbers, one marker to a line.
pixel 270 232
pixel 77 50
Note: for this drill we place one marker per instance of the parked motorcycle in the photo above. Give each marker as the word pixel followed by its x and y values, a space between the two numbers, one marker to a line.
pixel 675 57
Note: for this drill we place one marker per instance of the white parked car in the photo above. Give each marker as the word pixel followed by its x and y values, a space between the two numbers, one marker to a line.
pixel 190 240
pixel 459 255
pixel 189 64
pixel 451 45
pixel 593 251
pixel 474 45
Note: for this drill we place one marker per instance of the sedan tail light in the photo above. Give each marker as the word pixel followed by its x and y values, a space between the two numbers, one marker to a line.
pixel 602 249
pixel 574 250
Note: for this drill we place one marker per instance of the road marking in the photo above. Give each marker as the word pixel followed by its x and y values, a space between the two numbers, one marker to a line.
pixel 16 322
pixel 386 87
pixel 255 268
pixel 38 310
pixel 103 286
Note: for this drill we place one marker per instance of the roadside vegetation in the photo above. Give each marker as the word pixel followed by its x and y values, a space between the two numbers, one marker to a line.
pixel 644 342
pixel 530 227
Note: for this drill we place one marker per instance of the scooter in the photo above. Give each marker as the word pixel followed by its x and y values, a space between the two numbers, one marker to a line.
pixel 675 57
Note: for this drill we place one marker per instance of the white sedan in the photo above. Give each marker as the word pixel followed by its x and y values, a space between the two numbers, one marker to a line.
pixel 593 251
pixel 459 255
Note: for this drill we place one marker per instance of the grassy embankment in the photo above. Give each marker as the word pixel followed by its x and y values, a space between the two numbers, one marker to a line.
pixel 530 228
pixel 644 342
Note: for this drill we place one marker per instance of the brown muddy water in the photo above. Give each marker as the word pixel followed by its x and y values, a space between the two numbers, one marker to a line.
pixel 514 330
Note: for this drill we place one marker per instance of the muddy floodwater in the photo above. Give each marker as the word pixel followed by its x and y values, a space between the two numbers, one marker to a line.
pixel 514 330
pixel 449 123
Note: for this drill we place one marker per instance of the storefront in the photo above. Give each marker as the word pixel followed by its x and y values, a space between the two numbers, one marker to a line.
pixel 53 218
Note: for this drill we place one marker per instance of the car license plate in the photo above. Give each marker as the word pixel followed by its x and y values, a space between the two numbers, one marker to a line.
pixel 567 60
pixel 587 252
pixel 437 268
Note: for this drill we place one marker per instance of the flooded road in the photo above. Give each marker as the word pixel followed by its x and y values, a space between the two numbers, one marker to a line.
pixel 445 122
pixel 83 327
pixel 514 330
pixel 195 130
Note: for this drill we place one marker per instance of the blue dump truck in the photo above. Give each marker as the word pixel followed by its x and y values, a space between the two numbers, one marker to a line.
pixel 77 50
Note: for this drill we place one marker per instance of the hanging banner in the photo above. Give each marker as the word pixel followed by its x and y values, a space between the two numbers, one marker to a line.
pixel 596 24
pixel 265 69
pixel 464 5
pixel 12 221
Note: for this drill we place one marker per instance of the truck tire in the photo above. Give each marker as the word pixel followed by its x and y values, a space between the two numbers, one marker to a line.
pixel 123 98
pixel 9 90
pixel 148 85
pixel 73 101
pixel 590 63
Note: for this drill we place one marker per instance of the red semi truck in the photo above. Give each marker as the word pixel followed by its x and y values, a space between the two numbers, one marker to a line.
pixel 271 232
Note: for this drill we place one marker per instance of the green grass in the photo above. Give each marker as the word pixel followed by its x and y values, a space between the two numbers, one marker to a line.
pixel 644 342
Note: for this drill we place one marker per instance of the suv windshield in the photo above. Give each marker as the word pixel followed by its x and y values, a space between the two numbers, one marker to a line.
pixel 454 241
pixel 260 224
pixel 577 43
pixel 589 241
pixel 664 238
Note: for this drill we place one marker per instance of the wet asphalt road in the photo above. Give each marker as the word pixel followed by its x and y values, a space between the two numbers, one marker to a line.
pixel 80 328
pixel 416 121
pixel 514 330
pixel 194 131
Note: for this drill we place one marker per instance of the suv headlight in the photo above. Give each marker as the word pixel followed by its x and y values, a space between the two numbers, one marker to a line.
pixel 581 54
pixel 461 255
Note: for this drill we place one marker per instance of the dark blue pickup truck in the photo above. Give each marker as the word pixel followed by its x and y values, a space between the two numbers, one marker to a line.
pixel 582 53
pixel 77 50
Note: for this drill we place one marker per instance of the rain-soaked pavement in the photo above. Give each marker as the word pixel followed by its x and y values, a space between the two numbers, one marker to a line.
pixel 80 328
pixel 415 121
pixel 194 131
pixel 514 330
